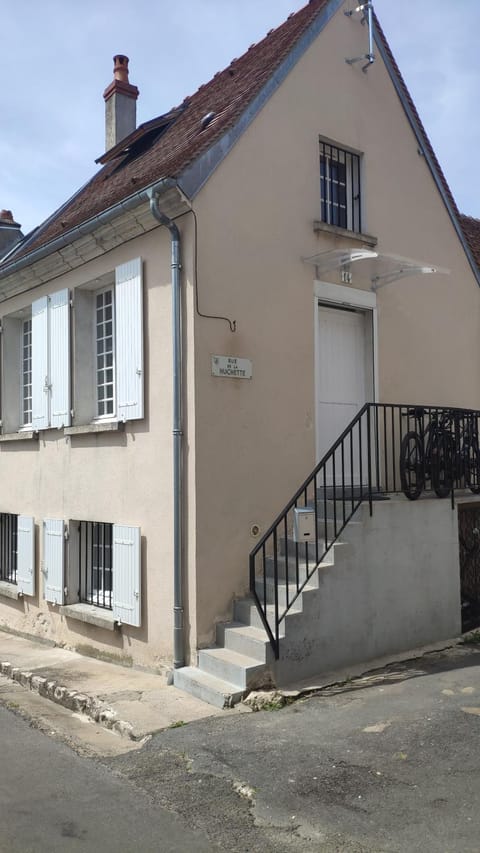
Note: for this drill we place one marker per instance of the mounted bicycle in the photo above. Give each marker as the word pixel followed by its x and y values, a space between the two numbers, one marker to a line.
pixel 445 450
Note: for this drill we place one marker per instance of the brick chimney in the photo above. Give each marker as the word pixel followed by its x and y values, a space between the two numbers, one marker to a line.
pixel 10 233
pixel 120 104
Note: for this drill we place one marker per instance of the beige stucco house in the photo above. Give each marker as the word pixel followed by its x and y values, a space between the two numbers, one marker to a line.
pixel 292 220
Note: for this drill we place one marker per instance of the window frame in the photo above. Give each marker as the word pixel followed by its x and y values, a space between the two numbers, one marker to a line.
pixel 93 536
pixel 330 205
pixel 20 550
pixel 26 424
pixel 126 285
pixel 62 362
pixel 9 549
pixel 105 416
pixel 67 586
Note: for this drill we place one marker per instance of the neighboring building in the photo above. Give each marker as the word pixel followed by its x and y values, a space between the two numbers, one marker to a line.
pixel 291 153
pixel 10 233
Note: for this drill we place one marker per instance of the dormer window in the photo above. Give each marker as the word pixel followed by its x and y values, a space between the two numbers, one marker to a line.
pixel 340 187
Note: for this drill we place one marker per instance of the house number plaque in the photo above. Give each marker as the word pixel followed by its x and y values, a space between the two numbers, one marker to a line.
pixel 231 367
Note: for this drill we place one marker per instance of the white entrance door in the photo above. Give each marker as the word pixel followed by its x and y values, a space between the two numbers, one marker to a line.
pixel 344 378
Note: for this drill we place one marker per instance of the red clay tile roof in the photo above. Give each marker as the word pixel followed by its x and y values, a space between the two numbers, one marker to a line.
pixel 227 95
pixel 471 229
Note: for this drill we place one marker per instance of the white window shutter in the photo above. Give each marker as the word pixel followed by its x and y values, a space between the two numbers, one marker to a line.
pixel 129 339
pixel 60 358
pixel 40 378
pixel 26 555
pixel 126 570
pixel 53 560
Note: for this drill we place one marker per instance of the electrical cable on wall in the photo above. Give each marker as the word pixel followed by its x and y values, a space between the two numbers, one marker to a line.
pixel 231 323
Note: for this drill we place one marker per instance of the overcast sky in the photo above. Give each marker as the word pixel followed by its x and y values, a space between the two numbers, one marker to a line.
pixel 56 60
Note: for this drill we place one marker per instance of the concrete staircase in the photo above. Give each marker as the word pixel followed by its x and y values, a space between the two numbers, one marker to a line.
pixel 242 659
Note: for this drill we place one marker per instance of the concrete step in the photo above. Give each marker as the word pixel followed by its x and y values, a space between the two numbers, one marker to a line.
pixel 335 527
pixel 230 666
pixel 337 493
pixel 335 523
pixel 309 549
pixel 330 508
pixel 244 639
pixel 303 568
pixel 266 591
pixel 215 691
pixel 304 549
pixel 245 610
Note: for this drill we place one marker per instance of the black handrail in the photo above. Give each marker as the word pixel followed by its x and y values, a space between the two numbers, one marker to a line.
pixel 386 448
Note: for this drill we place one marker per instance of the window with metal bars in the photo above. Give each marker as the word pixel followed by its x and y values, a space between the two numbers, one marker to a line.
pixel 8 547
pixel 340 201
pixel 95 562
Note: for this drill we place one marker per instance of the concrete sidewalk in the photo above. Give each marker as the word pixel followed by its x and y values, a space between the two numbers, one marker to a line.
pixel 131 702
pixel 136 704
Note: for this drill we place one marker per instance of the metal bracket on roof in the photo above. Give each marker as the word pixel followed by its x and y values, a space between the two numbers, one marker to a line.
pixel 366 10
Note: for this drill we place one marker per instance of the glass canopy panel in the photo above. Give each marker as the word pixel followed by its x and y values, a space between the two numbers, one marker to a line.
pixel 379 269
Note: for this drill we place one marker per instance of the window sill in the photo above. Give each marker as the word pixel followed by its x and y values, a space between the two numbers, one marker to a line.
pixel 25 435
pixel 367 239
pixel 89 613
pixel 88 429
pixel 9 590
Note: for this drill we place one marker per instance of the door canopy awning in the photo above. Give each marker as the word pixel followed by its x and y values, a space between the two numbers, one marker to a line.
pixel 378 268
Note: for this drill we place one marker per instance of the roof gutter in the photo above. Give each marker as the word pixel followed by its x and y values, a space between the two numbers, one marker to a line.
pixel 178 491
pixel 88 226
pixel 424 148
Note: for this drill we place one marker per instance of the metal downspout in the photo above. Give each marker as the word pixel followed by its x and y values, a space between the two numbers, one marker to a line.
pixel 178 633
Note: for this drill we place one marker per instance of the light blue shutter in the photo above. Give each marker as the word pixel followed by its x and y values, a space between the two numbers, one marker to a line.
pixel 126 570
pixel 26 555
pixel 60 358
pixel 53 560
pixel 40 378
pixel 129 340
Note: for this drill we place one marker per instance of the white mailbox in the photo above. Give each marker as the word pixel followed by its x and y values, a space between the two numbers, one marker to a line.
pixel 304 524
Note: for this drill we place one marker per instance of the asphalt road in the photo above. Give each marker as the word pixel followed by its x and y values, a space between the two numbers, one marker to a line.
pixel 390 763
pixel 53 800
pixel 386 763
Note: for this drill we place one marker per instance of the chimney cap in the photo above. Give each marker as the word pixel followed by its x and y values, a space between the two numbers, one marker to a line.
pixel 120 83
pixel 120 67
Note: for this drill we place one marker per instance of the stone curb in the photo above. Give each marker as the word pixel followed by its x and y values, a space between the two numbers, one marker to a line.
pixel 71 699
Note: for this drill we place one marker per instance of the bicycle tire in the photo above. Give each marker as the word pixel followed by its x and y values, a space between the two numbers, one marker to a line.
pixel 412 465
pixel 441 463
pixel 472 469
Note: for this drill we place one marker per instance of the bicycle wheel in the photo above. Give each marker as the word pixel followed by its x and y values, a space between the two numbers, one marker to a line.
pixel 411 465
pixel 442 464
pixel 472 468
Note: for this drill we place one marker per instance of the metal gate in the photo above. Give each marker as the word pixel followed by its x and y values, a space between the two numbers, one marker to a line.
pixel 469 544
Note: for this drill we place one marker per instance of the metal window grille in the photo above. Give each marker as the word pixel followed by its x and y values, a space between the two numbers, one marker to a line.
pixel 340 187
pixel 105 353
pixel 8 547
pixel 27 372
pixel 95 563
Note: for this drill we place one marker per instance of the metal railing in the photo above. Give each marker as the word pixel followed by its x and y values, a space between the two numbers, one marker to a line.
pixel 386 448
pixel 8 547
